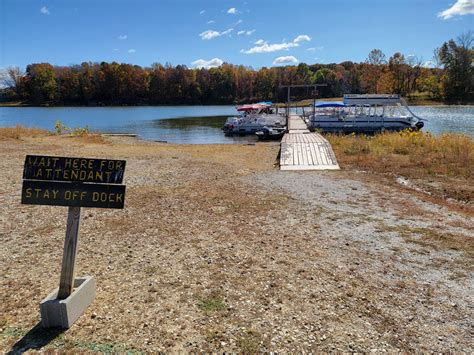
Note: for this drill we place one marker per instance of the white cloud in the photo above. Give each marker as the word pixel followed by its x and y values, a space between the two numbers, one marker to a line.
pixel 44 10
pixel 122 37
pixel 210 21
pixel 314 49
pixel 131 50
pixel 238 22
pixel 268 48
pixel 285 60
pixel 461 7
pixel 264 47
pixel 202 12
pixel 210 34
pixel 429 64
pixel 206 64
pixel 248 33
pixel 302 38
pixel 232 11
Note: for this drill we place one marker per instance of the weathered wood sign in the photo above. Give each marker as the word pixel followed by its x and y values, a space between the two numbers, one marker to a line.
pixel 72 194
pixel 77 182
pixel 102 171
pixel 73 182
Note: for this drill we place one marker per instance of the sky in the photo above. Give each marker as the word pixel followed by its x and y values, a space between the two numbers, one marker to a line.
pixel 209 32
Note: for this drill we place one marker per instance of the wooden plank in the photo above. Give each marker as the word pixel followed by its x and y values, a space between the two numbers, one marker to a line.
pixel 323 154
pixel 308 154
pixel 286 155
pixel 304 150
pixel 66 282
pixel 318 154
pixel 313 154
pixel 303 154
pixel 296 150
pixel 310 167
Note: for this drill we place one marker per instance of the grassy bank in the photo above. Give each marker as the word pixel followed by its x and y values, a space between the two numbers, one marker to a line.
pixel 443 165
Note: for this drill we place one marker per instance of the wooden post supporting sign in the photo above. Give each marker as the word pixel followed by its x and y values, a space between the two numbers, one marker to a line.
pixel 66 283
pixel 75 183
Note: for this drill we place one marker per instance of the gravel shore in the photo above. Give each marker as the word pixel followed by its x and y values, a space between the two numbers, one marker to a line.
pixel 218 250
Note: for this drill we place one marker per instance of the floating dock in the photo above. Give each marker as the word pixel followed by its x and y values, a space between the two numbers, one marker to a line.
pixel 305 150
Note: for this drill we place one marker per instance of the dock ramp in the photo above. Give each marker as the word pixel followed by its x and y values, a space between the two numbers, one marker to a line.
pixel 305 150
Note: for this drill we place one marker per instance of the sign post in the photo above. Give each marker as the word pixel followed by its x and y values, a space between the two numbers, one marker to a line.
pixel 76 183
pixel 66 283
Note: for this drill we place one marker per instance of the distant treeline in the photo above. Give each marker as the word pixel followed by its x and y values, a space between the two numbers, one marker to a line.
pixel 449 77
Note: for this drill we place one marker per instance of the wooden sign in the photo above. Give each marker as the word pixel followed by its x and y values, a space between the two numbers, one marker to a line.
pixel 103 171
pixel 56 193
pixel 73 182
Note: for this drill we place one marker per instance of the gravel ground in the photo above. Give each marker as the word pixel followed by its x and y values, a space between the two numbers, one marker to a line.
pixel 217 250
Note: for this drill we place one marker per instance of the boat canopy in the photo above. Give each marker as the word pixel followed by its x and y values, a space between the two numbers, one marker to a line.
pixel 252 107
pixel 330 104
pixel 371 99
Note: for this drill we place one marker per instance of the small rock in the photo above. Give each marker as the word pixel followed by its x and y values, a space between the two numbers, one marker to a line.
pixel 93 315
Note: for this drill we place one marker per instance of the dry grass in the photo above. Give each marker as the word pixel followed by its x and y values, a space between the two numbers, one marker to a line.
pixel 432 238
pixel 19 132
pixel 445 163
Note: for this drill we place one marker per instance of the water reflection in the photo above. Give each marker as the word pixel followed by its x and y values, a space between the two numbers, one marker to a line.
pixel 191 130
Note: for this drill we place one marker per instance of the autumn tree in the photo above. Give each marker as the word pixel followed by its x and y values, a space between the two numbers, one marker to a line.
pixel 41 83
pixel 372 70
pixel 457 58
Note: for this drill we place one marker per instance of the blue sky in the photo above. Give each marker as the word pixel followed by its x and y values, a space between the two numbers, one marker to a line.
pixel 205 33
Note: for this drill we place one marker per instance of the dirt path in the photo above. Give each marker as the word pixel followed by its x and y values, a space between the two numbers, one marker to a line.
pixel 217 250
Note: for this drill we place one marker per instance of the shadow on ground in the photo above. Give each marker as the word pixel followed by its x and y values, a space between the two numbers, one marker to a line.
pixel 35 339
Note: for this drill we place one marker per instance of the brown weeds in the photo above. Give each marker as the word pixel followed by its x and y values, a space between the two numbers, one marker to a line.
pixel 445 162
pixel 19 132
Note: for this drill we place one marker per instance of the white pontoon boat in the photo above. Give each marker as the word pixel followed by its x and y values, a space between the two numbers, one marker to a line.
pixel 364 114
pixel 253 118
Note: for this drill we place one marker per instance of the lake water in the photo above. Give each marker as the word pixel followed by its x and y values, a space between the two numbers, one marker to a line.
pixel 191 124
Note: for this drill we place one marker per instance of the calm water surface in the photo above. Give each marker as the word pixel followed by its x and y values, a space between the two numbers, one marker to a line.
pixel 192 124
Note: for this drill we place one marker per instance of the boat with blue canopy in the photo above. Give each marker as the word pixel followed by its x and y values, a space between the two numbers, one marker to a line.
pixel 363 114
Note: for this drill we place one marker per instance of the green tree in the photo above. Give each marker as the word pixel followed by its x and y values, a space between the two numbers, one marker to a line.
pixel 41 82
pixel 457 58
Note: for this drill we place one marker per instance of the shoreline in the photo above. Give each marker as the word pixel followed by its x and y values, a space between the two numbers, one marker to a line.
pixel 414 103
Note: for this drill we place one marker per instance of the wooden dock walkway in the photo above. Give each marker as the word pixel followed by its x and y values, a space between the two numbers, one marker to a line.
pixel 305 150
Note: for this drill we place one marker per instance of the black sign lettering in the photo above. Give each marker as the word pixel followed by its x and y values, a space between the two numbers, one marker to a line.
pixel 104 171
pixel 72 194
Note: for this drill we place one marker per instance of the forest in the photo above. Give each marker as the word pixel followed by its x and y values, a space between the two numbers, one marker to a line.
pixel 449 77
